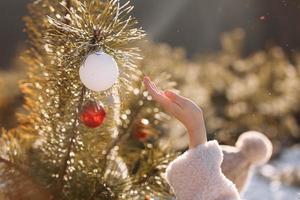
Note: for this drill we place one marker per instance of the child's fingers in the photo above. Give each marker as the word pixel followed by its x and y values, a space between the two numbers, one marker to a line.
pixel 160 97
pixel 154 92
pixel 180 100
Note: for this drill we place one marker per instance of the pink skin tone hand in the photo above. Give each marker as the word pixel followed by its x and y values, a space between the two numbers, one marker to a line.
pixel 186 111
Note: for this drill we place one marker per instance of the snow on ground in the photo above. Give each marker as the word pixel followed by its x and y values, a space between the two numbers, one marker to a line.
pixel 262 188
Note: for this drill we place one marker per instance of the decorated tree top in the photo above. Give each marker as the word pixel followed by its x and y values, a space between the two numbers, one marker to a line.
pixel 73 141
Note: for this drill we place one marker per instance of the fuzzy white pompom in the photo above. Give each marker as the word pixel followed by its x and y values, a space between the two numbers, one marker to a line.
pixel 255 146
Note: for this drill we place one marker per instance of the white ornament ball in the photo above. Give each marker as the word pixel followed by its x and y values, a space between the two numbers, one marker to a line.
pixel 99 72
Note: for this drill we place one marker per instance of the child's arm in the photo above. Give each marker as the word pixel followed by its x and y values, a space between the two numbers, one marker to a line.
pixel 196 174
pixel 186 111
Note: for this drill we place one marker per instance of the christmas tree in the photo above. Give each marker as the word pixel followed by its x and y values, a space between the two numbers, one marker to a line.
pixel 80 138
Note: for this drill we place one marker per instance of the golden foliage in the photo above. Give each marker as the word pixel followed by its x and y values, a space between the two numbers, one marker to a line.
pixel 259 92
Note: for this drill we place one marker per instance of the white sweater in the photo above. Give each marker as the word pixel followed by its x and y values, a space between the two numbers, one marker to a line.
pixel 197 175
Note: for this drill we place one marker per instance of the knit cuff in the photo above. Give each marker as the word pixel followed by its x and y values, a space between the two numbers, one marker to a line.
pixel 210 153
pixel 196 174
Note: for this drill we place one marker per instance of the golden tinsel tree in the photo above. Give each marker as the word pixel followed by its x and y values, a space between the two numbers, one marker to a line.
pixel 52 154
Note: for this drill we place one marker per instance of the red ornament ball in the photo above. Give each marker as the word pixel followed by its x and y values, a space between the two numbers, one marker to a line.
pixel 92 114
pixel 141 135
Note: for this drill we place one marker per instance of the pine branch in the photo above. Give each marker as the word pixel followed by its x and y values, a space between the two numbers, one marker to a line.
pixel 123 135
pixel 71 144
pixel 148 177
pixel 61 36
pixel 114 143
pixel 25 180
pixel 12 165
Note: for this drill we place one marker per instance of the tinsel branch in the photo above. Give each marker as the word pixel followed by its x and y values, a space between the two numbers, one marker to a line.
pixel 24 176
pixel 71 144
pixel 12 165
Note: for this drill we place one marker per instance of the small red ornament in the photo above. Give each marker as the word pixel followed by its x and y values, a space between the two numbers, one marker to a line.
pixel 141 135
pixel 92 114
pixel 142 131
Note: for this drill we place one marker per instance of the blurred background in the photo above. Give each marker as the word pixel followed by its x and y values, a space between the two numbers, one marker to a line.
pixel 192 24
pixel 238 59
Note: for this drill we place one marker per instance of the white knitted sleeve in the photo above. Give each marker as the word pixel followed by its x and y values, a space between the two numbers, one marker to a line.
pixel 197 175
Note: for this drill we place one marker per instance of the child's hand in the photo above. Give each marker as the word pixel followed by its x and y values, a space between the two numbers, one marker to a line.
pixel 183 109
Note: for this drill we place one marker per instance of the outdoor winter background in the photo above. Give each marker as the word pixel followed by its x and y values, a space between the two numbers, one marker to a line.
pixel 197 27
